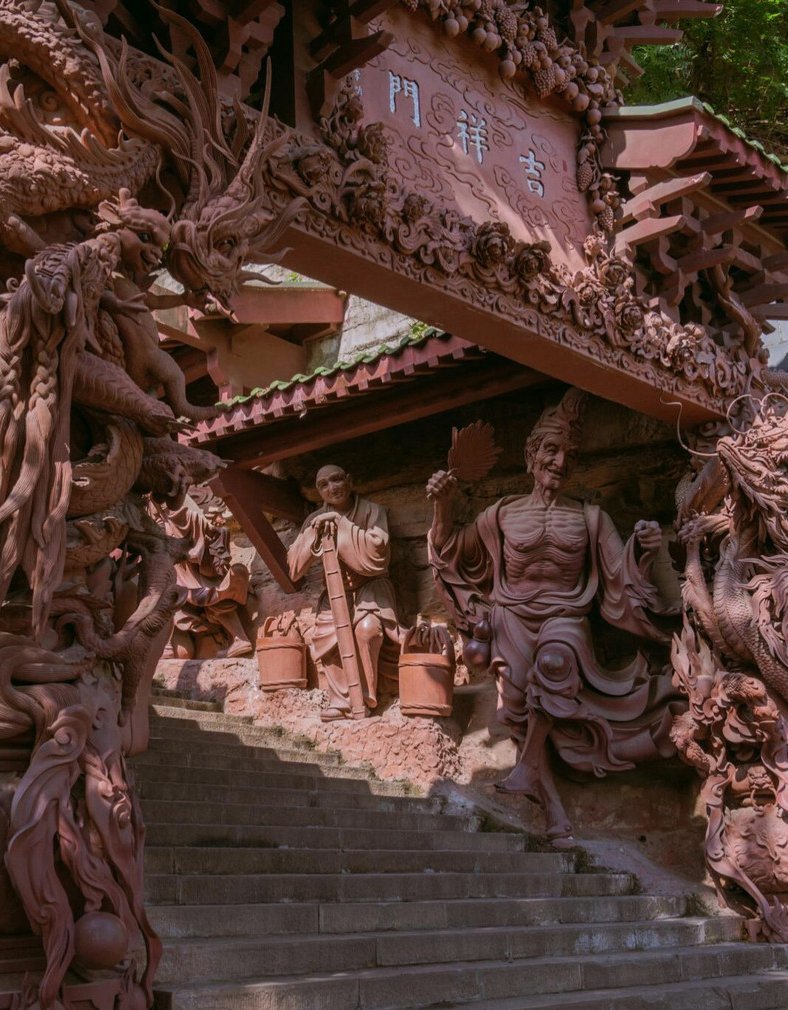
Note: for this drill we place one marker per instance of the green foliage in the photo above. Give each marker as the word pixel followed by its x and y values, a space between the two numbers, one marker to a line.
pixel 737 62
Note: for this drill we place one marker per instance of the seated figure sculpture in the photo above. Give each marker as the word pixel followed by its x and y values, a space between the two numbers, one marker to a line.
pixel 360 530
pixel 521 582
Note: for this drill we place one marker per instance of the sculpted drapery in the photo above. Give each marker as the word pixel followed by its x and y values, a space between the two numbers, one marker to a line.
pixel 535 568
pixel 362 543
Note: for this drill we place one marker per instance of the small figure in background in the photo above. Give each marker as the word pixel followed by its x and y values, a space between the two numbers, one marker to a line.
pixel 208 623
pixel 358 529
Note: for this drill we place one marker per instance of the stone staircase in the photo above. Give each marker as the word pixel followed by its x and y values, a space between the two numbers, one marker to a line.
pixel 281 879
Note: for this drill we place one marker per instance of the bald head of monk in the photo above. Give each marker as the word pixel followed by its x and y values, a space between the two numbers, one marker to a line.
pixel 335 487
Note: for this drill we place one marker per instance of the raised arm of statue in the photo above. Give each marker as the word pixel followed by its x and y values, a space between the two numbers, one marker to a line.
pixel 442 489
pixel 300 556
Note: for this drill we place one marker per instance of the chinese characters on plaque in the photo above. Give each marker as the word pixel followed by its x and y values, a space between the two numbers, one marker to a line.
pixel 533 172
pixel 472 129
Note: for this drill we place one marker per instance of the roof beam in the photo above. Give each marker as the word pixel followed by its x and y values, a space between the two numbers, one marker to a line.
pixel 243 499
pixel 392 405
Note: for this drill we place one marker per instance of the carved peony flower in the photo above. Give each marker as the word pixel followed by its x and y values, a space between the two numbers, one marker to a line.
pixel 369 207
pixel 312 164
pixel 414 207
pixel 628 315
pixel 492 244
pixel 531 260
pixel 614 273
pixel 373 143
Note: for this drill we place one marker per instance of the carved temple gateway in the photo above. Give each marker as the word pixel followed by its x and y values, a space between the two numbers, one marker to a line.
pixel 373 369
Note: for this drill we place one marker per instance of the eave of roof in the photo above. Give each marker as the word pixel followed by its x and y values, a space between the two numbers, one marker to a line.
pixel 283 399
pixel 669 110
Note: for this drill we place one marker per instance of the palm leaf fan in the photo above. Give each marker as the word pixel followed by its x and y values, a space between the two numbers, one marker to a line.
pixel 473 451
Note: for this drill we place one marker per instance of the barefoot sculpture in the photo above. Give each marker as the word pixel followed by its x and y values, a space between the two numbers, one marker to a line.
pixel 87 579
pixel 521 582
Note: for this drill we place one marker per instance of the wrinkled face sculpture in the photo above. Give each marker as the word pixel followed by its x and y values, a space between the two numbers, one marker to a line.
pixel 553 460
pixel 335 487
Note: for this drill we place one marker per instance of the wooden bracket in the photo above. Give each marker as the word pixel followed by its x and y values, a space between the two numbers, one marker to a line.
pixel 342 47
pixel 249 495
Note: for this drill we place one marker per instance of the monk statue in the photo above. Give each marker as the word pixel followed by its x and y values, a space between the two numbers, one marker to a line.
pixel 521 583
pixel 359 529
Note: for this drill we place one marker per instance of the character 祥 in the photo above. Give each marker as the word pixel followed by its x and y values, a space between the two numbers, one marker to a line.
pixel 359 529
pixel 524 578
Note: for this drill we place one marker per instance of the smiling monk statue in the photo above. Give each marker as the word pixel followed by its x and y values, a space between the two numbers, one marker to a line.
pixel 362 541
pixel 526 575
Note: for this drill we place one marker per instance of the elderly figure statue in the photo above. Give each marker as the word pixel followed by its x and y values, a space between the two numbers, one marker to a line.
pixel 521 582
pixel 362 540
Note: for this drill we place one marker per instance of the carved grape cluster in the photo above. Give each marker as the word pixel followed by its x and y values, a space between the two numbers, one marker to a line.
pixel 527 43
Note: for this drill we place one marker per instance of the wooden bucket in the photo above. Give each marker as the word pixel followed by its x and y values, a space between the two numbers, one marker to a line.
pixel 282 663
pixel 426 683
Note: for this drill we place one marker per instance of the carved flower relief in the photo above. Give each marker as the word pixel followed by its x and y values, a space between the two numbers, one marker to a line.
pixel 312 164
pixel 414 207
pixel 628 315
pixel 373 143
pixel 531 260
pixel 368 206
pixel 492 244
pixel 614 273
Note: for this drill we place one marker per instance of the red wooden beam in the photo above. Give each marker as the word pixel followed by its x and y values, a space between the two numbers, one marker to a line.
pixel 273 495
pixel 246 506
pixel 387 408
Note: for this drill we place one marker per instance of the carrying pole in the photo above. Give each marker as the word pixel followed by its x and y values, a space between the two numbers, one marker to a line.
pixel 340 611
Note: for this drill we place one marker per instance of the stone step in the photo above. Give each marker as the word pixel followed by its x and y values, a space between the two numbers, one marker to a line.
pixel 324 793
pixel 172 699
pixel 284 836
pixel 237 861
pixel 235 734
pixel 340 777
pixel 764 991
pixel 163 711
pixel 210 889
pixel 192 727
pixel 462 982
pixel 205 959
pixel 371 916
pixel 234 755
pixel 388 814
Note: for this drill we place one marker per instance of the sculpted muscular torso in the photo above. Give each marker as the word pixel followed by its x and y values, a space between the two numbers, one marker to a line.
pixel 525 575
pixel 544 547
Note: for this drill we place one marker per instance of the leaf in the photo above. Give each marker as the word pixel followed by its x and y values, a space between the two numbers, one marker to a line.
pixel 473 451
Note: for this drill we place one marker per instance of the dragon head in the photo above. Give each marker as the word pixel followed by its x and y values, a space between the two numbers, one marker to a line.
pixel 756 463
pixel 226 216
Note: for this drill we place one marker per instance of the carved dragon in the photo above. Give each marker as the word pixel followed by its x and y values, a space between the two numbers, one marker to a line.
pixel 222 219
pixel 90 133
pixel 731 659
pixel 745 611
